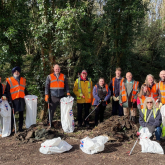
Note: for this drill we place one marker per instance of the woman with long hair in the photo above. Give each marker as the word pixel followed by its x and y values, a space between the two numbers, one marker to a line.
pixel 101 94
pixel 150 117
pixel 142 95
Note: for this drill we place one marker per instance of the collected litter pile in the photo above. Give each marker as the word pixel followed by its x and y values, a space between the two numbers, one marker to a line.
pixel 38 132
pixel 117 128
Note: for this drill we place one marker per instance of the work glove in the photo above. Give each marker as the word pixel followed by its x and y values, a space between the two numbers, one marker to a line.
pixel 134 100
pixel 116 98
pixel 3 98
pixel 151 128
pixel 100 101
pixel 46 98
pixel 81 95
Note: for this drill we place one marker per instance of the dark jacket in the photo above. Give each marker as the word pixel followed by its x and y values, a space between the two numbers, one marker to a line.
pixel 1 90
pixel 152 122
pixel 56 92
pixel 18 104
pixel 116 87
pixel 97 98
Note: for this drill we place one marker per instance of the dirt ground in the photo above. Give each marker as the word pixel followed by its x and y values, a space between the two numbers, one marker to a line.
pixel 15 152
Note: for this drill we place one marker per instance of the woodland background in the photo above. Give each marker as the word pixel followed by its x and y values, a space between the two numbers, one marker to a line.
pixel 96 35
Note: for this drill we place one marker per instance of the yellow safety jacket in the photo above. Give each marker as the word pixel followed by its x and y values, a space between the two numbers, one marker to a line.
pixel 83 88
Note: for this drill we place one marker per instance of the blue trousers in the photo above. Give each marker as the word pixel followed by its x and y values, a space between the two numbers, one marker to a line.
pixel 116 107
pixel 158 133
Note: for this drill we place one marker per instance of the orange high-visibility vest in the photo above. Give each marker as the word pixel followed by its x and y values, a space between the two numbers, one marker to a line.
pixel 106 86
pixel 113 84
pixel 4 87
pixel 162 91
pixel 16 90
pixel 142 99
pixel 56 83
pixel 154 91
pixel 124 94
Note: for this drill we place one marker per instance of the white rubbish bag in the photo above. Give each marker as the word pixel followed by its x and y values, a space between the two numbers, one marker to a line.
pixel 54 146
pixel 148 145
pixel 31 110
pixel 92 146
pixel 162 111
pixel 5 118
pixel 67 118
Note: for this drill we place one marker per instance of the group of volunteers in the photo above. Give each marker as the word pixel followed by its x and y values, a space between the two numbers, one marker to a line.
pixel 125 92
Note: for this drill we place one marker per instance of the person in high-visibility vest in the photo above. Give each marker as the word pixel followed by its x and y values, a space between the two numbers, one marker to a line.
pixel 142 95
pixel 162 87
pixel 55 87
pixel 114 86
pixel 152 86
pixel 83 90
pixel 101 94
pixel 129 89
pixel 15 92
pixel 150 117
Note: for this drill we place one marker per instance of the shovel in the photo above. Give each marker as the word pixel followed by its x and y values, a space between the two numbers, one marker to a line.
pixel 14 119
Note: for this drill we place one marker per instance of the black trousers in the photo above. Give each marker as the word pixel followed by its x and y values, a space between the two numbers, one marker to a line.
pixel 116 107
pixel 20 120
pixel 54 102
pixel 80 107
pixel 99 114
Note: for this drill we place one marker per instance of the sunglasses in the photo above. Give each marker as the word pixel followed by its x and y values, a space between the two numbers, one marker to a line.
pixel 149 102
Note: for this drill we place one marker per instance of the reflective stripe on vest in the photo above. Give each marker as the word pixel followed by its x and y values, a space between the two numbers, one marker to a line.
pixel 154 91
pixel 17 90
pixel 113 84
pixel 80 90
pixel 144 111
pixel 56 83
pixel 142 99
pixel 123 91
pixel 162 91
pixel 106 86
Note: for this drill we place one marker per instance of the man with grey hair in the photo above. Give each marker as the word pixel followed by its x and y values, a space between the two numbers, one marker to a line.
pixel 83 90
pixel 162 87
pixel 128 95
pixel 55 87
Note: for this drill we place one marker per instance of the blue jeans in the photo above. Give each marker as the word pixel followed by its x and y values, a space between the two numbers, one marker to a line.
pixel 158 133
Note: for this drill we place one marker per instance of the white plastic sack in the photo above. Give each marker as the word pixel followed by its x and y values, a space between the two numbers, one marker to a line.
pixel 5 109
pixel 162 111
pixel 54 146
pixel 5 118
pixel 31 110
pixel 148 145
pixel 92 146
pixel 67 118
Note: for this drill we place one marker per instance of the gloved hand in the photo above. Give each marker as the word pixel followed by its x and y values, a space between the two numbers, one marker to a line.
pixel 3 98
pixel 134 100
pixel 100 101
pixel 46 98
pixel 151 128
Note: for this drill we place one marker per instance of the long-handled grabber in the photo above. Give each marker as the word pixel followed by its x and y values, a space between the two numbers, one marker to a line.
pixel 14 119
pixel 134 144
pixel 49 116
pixel 92 111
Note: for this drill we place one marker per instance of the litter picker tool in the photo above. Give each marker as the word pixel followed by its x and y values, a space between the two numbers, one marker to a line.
pixel 49 115
pixel 134 144
pixel 14 118
pixel 92 111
